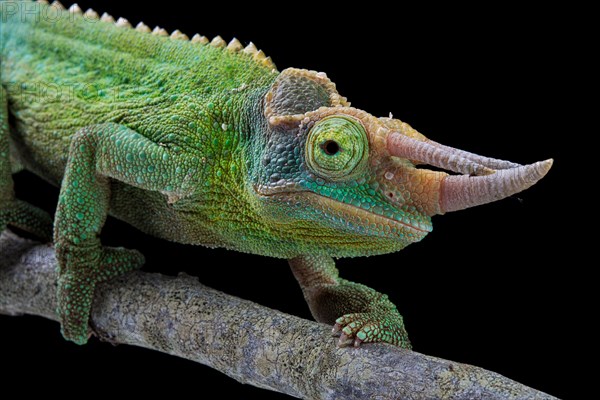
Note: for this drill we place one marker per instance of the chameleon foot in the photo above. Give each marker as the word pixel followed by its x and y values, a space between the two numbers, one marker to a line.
pixel 371 327
pixel 77 282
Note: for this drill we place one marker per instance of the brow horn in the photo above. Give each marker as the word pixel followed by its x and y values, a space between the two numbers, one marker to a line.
pixel 492 163
pixel 427 153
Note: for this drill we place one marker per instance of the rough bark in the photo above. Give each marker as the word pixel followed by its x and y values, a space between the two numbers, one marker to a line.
pixel 250 343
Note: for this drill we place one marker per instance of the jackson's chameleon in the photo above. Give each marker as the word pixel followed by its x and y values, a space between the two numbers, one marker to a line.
pixel 207 143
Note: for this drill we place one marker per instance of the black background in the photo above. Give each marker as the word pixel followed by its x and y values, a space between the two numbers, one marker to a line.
pixel 487 287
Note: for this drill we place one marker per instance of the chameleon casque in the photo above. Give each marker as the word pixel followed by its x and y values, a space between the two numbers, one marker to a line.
pixel 207 143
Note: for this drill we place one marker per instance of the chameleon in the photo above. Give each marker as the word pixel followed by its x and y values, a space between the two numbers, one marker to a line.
pixel 205 142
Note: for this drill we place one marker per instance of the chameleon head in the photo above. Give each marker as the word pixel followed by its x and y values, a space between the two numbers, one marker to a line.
pixel 336 180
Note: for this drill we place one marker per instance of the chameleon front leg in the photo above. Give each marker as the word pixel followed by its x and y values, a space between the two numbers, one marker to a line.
pixel 15 212
pixel 97 154
pixel 359 312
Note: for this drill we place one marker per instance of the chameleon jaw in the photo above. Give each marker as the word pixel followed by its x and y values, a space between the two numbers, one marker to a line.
pixel 397 223
pixel 360 219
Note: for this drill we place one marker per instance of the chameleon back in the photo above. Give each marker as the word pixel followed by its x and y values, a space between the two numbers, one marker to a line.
pixel 64 70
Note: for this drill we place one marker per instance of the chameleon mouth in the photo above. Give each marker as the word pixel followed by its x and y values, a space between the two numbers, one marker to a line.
pixel 395 222
pixel 364 219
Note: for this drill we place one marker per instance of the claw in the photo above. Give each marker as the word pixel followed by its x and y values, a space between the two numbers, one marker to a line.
pixel 357 342
pixel 344 340
pixel 337 328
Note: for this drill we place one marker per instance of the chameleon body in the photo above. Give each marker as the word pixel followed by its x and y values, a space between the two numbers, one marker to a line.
pixel 207 143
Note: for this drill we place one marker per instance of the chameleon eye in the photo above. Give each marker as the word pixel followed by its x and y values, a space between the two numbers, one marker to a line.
pixel 337 148
pixel 331 147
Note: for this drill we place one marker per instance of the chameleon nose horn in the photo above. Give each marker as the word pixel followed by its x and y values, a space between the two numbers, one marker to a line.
pixel 483 179
pixel 458 192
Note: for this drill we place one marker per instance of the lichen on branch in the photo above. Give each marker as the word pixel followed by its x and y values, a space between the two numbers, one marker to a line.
pixel 248 342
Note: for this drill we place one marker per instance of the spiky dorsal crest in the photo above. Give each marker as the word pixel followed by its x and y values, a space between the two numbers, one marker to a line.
pixel 123 23
pixel 142 27
pixel 74 9
pixel 91 14
pixel 234 46
pixel 197 38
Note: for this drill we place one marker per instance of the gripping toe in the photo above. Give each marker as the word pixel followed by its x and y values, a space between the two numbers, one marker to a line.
pixel 372 327
pixel 77 282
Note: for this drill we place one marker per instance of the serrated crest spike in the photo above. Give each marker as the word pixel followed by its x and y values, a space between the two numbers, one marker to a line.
pixel 42 1
pixel 218 42
pixel 91 14
pixel 251 49
pixel 260 56
pixel 160 31
pixel 107 18
pixel 268 62
pixel 141 27
pixel 74 9
pixel 123 23
pixel 197 38
pixel 234 45
pixel 177 34
pixel 58 5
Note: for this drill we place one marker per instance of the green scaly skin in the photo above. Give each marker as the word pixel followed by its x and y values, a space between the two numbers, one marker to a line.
pixel 200 144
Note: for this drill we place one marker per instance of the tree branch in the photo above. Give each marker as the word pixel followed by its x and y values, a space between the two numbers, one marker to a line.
pixel 250 343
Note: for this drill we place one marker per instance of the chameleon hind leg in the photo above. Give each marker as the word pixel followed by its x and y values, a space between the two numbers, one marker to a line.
pixel 359 313
pixel 98 154
pixel 15 212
